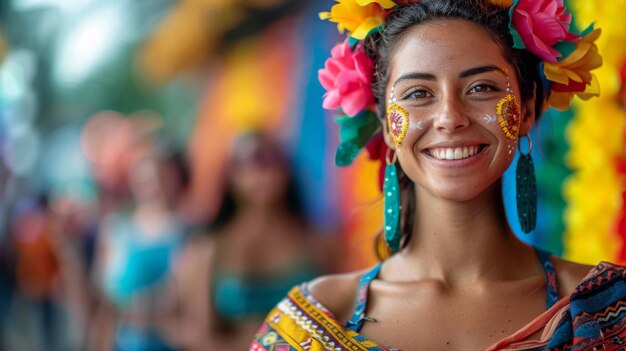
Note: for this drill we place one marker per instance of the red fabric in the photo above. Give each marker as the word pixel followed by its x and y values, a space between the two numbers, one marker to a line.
pixel 377 149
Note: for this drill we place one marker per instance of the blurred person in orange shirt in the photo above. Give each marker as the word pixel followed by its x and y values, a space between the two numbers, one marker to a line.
pixel 37 275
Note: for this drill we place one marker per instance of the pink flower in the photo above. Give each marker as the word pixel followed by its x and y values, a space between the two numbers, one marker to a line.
pixel 541 24
pixel 347 77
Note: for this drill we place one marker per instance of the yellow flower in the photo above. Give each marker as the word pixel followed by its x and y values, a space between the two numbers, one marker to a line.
pixel 358 17
pixel 572 76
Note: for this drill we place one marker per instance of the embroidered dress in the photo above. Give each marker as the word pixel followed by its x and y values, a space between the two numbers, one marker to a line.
pixel 592 317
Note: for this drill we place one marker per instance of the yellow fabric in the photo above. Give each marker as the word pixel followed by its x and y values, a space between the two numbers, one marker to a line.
pixel 596 136
pixel 299 321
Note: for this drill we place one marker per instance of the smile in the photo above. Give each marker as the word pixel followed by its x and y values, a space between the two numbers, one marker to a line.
pixel 454 153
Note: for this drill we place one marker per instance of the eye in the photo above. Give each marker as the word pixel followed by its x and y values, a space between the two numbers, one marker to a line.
pixel 482 88
pixel 417 94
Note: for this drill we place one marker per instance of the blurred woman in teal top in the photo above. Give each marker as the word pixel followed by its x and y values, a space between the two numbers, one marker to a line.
pixel 136 253
pixel 255 250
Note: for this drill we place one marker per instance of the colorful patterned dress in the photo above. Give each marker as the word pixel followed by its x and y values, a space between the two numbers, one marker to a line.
pixel 592 317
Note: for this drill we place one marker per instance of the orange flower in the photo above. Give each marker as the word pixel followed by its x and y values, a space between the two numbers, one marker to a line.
pixel 572 76
pixel 358 17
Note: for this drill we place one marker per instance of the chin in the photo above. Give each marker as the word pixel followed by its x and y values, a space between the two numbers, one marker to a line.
pixel 462 191
pixel 457 195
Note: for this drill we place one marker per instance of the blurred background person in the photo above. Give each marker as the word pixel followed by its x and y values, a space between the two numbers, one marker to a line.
pixel 257 248
pixel 136 250
pixel 36 301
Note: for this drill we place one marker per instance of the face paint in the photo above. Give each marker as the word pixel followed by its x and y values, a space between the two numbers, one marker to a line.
pixel 397 120
pixel 418 126
pixel 509 116
pixel 508 113
pixel 491 119
pixel 392 97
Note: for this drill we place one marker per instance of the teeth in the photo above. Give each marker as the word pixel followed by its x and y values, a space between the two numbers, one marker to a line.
pixel 458 153
pixel 449 154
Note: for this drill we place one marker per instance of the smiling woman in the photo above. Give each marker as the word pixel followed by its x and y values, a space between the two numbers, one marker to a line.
pixel 456 84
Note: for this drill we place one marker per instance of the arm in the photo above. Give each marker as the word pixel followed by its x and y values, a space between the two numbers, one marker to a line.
pixel 101 333
pixel 192 286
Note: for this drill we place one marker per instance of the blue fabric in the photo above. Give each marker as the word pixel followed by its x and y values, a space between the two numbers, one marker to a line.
pixel 358 318
pixel 596 319
pixel 138 265
pixel 314 143
pixel 237 297
pixel 129 338
pixel 552 290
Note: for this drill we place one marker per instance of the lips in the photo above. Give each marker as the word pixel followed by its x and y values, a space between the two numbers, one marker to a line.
pixel 455 153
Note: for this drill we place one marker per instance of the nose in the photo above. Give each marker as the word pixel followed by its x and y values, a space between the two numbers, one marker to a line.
pixel 451 116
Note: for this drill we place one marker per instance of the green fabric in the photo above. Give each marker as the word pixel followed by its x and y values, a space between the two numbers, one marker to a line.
pixel 354 133
pixel 353 41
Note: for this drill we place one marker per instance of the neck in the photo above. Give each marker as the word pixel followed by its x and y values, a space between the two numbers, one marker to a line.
pixel 459 241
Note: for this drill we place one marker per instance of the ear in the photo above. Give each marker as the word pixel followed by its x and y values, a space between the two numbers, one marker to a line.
pixel 528 113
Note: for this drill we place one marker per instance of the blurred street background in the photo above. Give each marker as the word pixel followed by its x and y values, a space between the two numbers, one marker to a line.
pixel 167 170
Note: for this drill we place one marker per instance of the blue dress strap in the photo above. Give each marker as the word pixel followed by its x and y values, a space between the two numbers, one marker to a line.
pixel 552 290
pixel 358 318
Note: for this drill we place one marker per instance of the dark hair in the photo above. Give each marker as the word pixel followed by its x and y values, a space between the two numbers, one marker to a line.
pixel 266 150
pixel 494 19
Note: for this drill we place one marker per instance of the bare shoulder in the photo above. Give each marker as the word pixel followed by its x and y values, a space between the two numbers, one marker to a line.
pixel 569 273
pixel 197 252
pixel 337 292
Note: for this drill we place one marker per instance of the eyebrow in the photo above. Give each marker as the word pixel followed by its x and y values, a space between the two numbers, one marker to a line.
pixel 467 73
pixel 482 69
pixel 415 75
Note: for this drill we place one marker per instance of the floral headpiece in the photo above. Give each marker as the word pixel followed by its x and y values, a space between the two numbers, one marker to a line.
pixel 540 26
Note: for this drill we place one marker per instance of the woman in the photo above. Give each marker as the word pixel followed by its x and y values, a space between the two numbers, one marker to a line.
pixel 457 84
pixel 136 252
pixel 257 248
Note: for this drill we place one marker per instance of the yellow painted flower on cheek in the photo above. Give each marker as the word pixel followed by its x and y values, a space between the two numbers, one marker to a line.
pixel 572 76
pixel 358 17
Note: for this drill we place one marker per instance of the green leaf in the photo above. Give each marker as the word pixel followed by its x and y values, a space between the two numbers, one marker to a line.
pixel 518 43
pixel 354 133
pixel 565 48
pixel 346 153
